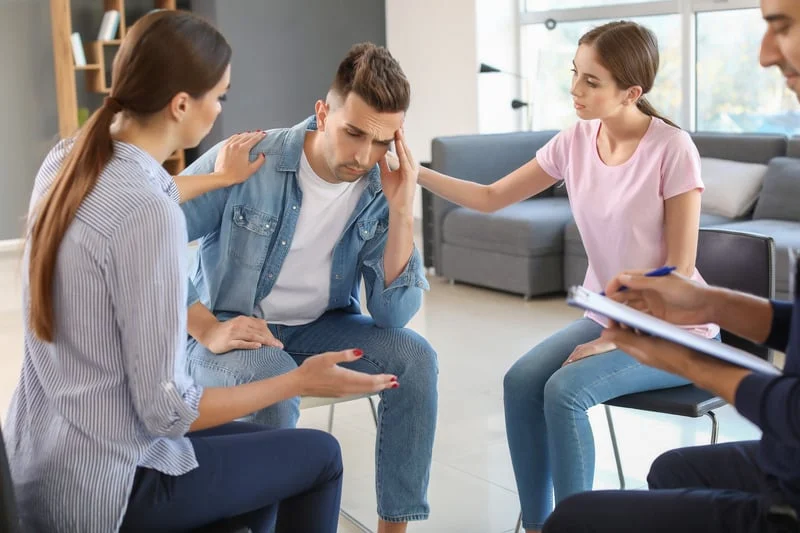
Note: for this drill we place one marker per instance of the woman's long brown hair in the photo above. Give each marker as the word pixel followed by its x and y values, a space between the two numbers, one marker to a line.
pixel 163 54
pixel 630 52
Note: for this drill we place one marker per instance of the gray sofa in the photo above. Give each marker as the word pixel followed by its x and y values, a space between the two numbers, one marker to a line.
pixel 533 248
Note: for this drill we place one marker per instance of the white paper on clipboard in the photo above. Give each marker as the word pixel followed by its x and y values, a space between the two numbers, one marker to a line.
pixel 591 301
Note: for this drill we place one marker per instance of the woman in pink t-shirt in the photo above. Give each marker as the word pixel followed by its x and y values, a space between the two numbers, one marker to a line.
pixel 633 180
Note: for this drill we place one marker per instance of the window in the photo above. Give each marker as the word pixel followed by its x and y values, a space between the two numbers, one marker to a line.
pixel 734 93
pixel 545 5
pixel 547 60
pixel 709 78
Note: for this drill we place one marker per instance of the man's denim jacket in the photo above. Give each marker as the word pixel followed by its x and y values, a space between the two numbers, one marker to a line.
pixel 245 232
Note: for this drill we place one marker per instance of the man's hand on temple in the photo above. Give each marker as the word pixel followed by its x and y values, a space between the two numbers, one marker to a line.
pixel 399 177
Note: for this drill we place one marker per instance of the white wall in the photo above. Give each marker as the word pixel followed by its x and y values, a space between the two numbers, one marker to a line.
pixel 439 44
pixel 498 45
pixel 435 42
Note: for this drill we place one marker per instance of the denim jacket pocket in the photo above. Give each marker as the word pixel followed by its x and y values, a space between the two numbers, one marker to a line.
pixel 251 234
pixel 367 229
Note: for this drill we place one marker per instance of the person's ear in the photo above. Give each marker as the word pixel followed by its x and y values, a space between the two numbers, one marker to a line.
pixel 322 110
pixel 634 94
pixel 179 106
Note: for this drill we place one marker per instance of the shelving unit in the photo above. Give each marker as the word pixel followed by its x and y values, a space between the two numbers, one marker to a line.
pixel 98 54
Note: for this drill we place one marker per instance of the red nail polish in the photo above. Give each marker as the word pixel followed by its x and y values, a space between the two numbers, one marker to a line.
pixel 358 353
pixel 395 385
pixel 394 378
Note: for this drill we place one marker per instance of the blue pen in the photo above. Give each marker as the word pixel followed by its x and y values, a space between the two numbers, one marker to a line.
pixel 663 271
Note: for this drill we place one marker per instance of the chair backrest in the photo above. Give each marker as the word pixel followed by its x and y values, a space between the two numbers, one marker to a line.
pixel 740 261
pixel 9 518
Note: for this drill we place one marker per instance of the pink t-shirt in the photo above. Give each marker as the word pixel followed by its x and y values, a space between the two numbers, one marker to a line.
pixel 619 210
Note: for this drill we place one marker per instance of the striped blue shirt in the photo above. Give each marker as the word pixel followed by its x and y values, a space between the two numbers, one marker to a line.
pixel 111 393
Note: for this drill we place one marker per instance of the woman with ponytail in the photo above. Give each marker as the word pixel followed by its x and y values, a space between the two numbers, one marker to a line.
pixel 633 180
pixel 106 430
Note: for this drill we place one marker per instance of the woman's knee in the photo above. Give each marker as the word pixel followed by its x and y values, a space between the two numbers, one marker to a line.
pixel 326 448
pixel 527 376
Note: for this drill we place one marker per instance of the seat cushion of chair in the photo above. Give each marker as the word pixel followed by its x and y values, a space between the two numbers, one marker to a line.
pixel 533 228
pixel 308 402
pixel 681 401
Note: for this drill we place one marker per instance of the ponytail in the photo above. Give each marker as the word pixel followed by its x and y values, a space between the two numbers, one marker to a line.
pixel 647 108
pixel 55 212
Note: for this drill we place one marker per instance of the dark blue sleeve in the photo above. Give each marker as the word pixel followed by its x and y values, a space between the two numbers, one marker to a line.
pixel 773 404
pixel 781 325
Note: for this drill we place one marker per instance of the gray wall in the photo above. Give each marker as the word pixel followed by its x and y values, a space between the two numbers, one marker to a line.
pixel 285 54
pixel 28 95
pixel 27 105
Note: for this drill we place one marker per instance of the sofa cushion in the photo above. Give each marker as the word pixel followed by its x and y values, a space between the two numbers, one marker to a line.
pixel 532 228
pixel 710 219
pixel 732 187
pixel 786 235
pixel 778 199
pixel 573 244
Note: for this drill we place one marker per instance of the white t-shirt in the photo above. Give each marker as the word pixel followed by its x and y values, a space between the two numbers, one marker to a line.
pixel 301 292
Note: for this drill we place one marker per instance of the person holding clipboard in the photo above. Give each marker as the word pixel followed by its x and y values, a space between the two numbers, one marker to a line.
pixel 634 185
pixel 731 487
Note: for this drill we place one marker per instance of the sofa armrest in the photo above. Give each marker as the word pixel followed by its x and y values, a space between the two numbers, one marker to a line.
pixel 481 159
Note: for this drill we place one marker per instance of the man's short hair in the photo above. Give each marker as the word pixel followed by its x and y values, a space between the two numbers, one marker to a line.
pixel 372 73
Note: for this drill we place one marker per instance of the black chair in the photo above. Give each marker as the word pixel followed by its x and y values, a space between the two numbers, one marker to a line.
pixel 731 259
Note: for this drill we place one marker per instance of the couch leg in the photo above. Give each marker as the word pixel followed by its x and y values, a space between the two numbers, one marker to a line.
pixel 527 297
pixel 451 281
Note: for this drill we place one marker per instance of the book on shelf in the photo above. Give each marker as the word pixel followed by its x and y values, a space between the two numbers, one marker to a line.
pixel 77 50
pixel 109 26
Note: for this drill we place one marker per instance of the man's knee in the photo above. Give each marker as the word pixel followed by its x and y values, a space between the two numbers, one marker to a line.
pixel 569 515
pixel 238 366
pixel 665 471
pixel 246 366
pixel 414 351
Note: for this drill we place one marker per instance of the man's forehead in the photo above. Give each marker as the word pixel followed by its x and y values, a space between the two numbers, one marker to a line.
pixel 360 115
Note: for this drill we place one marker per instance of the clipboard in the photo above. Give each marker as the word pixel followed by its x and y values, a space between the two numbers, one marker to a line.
pixel 591 301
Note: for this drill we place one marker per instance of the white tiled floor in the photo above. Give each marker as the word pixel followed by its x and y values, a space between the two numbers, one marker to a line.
pixel 478 334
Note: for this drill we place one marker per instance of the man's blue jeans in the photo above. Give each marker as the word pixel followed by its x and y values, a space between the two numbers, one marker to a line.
pixel 548 430
pixel 406 415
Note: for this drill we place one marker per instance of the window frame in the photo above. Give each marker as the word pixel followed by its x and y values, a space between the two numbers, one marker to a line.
pixel 686 9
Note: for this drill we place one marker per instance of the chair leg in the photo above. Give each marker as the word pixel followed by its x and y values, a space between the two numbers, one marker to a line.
pixel 330 418
pixel 615 447
pixel 344 514
pixel 518 527
pixel 714 426
pixel 355 521
pixel 373 410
